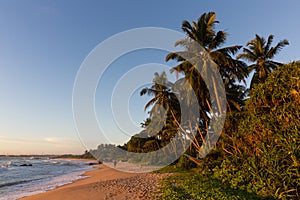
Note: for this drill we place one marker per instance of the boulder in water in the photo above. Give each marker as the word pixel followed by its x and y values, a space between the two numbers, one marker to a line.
pixel 25 165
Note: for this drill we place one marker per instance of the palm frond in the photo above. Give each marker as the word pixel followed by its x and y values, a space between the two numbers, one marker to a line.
pixel 274 50
pixel 268 45
pixel 175 56
pixel 183 43
pixel 188 29
pixel 150 103
pixel 230 50
pixel 143 91
pixel 218 40
pixel 247 55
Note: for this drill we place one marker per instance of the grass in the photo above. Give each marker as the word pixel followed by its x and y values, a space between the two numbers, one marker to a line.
pixel 194 186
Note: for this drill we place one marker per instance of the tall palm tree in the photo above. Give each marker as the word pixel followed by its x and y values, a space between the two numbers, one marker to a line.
pixel 203 42
pixel 261 53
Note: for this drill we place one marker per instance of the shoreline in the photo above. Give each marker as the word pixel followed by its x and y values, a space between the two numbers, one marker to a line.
pixel 88 162
pixel 22 177
pixel 104 182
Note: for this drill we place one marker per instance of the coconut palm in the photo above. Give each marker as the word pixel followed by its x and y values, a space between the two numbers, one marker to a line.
pixel 202 49
pixel 201 45
pixel 161 90
pixel 261 53
pixel 164 102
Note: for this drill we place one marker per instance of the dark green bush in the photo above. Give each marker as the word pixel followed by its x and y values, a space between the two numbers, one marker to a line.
pixel 263 152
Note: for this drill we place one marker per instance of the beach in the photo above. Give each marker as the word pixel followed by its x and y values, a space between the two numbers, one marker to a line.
pixel 106 183
pixel 26 176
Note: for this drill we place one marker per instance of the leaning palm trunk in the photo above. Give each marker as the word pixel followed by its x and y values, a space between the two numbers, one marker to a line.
pixel 195 160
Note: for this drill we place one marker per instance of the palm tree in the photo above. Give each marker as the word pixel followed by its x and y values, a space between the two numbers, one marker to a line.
pixel 162 92
pixel 203 33
pixel 202 45
pixel 164 102
pixel 261 53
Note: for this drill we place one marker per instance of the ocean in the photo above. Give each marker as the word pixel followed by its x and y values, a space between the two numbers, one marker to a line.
pixel 40 175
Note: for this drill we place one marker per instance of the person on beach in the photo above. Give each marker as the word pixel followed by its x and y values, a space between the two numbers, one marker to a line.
pixel 115 163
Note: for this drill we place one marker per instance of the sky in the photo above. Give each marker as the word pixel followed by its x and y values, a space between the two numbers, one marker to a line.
pixel 44 43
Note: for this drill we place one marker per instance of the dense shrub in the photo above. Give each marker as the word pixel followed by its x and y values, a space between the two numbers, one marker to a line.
pixel 263 151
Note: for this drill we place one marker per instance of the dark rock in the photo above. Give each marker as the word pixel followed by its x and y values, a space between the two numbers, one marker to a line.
pixel 93 163
pixel 25 165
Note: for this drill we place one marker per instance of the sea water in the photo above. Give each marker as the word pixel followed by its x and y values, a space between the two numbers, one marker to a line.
pixel 38 175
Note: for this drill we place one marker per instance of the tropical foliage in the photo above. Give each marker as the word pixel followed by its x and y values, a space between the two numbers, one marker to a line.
pixel 202 49
pixel 203 44
pixel 257 155
pixel 263 152
pixel 261 53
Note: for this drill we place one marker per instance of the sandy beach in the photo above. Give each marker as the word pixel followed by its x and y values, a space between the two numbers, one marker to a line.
pixel 106 183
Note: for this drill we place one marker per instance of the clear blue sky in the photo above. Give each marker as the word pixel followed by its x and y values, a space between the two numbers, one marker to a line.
pixel 43 43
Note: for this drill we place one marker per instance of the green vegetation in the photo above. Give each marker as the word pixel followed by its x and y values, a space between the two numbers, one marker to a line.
pixel 258 153
pixel 177 97
pixel 260 53
pixel 264 150
pixel 191 185
pixel 85 155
